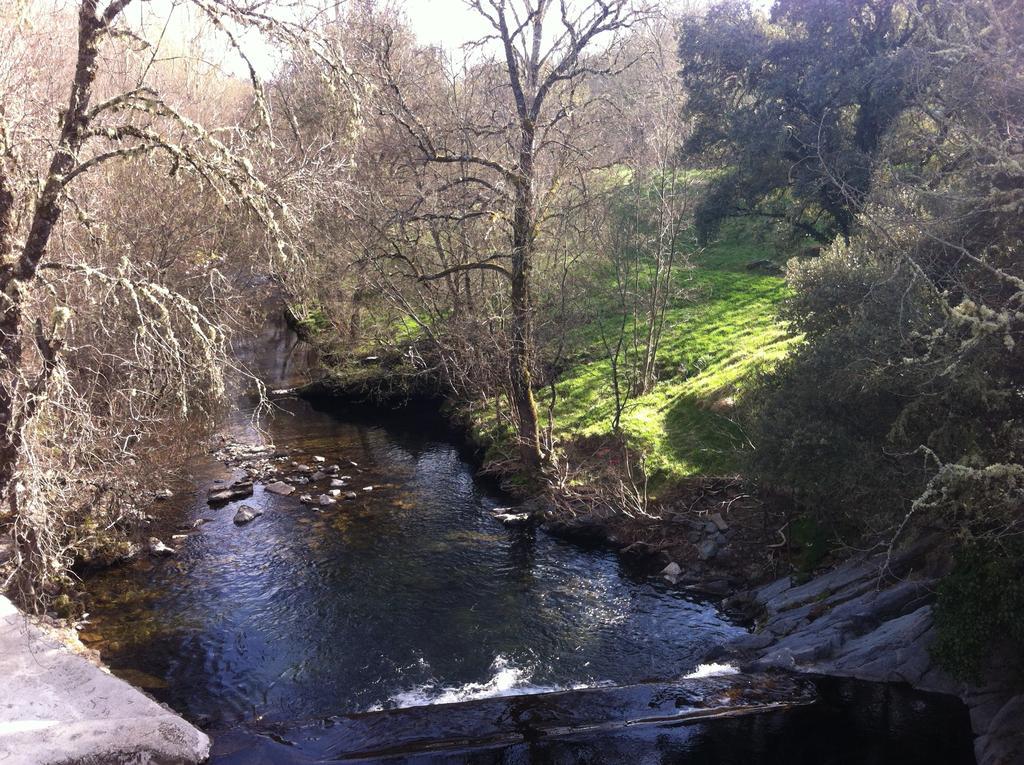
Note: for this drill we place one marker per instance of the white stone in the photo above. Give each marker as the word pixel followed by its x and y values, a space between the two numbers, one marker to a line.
pixel 156 547
pixel 672 572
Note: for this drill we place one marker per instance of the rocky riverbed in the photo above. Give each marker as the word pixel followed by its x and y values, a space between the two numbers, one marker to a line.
pixel 854 622
pixel 850 621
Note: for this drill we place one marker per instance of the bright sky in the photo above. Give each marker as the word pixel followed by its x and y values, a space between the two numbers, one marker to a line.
pixel 448 23
pixel 445 23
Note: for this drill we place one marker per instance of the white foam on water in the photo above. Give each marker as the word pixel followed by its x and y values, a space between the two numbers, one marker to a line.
pixel 711 670
pixel 506 680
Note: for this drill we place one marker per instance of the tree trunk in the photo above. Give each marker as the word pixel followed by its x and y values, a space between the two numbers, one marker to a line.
pixel 519 367
pixel 523 222
pixel 15 273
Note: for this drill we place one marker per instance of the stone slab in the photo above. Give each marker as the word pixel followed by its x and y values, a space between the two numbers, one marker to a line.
pixel 57 707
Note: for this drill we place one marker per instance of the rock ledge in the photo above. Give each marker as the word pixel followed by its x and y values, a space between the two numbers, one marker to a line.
pixel 60 708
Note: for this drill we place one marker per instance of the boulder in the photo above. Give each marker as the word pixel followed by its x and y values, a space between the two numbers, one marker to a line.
pixel 338 483
pixel 306 499
pixel 325 500
pixel 279 487
pixel 319 475
pixel 1002 741
pixel 247 513
pixel 223 495
pixel 707 549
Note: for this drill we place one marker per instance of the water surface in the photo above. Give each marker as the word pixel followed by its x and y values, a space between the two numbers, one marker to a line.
pixel 410 593
pixel 414 594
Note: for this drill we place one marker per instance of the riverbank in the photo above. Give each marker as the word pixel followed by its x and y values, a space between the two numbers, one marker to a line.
pixel 871 618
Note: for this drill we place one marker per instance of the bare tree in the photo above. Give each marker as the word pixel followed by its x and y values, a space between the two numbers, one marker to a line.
pixel 518 152
pixel 645 225
pixel 93 337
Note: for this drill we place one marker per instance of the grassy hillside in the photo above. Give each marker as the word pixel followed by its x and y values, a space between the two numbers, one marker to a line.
pixel 714 342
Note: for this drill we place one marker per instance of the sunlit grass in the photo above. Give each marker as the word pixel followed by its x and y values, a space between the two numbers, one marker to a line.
pixel 714 342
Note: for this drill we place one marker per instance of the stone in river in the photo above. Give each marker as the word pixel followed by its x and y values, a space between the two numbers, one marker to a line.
pixel 306 499
pixel 279 487
pixel 367 488
pixel 335 492
pixel 325 500
pixel 319 460
pixel 672 572
pixel 514 519
pixel 319 475
pixel 156 547
pixel 237 490
pixel 338 483
pixel 350 495
pixel 246 513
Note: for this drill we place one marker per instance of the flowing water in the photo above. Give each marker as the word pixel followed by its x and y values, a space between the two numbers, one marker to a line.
pixel 410 595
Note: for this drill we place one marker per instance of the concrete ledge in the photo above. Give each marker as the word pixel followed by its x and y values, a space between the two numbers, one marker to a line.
pixel 56 708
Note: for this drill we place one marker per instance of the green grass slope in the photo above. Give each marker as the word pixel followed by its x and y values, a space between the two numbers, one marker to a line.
pixel 714 342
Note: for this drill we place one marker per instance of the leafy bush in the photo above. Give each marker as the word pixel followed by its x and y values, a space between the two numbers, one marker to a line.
pixel 980 604
pixel 828 422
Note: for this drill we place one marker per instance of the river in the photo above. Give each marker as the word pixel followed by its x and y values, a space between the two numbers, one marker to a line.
pixel 413 595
